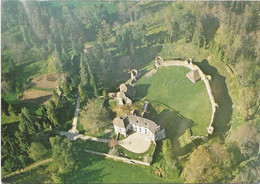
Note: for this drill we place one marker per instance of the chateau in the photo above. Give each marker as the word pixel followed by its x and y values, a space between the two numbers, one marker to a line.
pixel 138 124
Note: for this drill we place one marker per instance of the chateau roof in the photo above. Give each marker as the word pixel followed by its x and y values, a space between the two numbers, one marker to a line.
pixel 120 122
pixel 137 121
pixel 142 122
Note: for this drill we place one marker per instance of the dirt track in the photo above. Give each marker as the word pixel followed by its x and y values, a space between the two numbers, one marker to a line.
pixel 29 167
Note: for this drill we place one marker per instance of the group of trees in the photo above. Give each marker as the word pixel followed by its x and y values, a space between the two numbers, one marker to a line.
pixel 229 30
pixel 19 141
pixel 94 116
pixel 208 164
pixel 128 38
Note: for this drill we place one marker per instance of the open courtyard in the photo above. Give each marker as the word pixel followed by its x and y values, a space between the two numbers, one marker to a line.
pixel 171 89
pixel 136 142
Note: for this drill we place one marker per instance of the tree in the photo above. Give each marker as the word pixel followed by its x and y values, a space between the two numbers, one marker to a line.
pixel 170 159
pixel 4 106
pixel 37 151
pixel 12 155
pixel 208 165
pixel 11 109
pixel 23 141
pixel 93 81
pixel 105 94
pixel 198 38
pixel 84 74
pixel 180 23
pixel 94 116
pixel 82 92
pixel 26 124
pixel 248 171
pixel 113 151
pixel 112 143
pixel 148 159
pixel 52 113
pixel 246 138
pixel 64 154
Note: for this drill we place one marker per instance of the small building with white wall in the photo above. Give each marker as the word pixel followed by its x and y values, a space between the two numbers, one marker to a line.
pixel 126 94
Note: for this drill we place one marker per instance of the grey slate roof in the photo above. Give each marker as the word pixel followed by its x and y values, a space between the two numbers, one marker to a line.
pixel 193 75
pixel 143 122
pixel 120 122
pixel 137 121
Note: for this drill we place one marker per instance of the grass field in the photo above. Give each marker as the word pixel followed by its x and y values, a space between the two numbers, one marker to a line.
pixel 170 88
pixel 36 96
pixel 95 169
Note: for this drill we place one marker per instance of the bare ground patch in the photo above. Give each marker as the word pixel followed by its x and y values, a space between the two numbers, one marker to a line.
pixel 136 142
pixel 44 81
pixel 36 96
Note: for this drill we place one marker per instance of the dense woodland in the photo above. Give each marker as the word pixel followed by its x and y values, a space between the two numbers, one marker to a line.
pixel 55 34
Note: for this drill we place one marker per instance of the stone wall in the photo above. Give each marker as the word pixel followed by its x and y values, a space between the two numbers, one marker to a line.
pixel 159 62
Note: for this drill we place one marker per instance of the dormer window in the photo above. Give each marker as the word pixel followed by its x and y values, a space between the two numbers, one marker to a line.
pixel 137 121
pixel 145 123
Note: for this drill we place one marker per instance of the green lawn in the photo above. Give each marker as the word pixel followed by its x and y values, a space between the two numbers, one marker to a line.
pixel 22 73
pixel 96 169
pixel 170 88
pixel 92 145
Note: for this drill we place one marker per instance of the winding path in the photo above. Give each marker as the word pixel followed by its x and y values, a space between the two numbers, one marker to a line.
pixel 29 167
pixel 126 160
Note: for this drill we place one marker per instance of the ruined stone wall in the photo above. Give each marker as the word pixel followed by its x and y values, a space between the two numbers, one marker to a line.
pixel 188 63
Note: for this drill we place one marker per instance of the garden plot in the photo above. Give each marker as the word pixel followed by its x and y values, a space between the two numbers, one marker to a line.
pixel 44 81
pixel 36 96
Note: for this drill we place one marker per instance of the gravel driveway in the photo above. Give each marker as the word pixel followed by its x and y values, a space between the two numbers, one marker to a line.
pixel 136 142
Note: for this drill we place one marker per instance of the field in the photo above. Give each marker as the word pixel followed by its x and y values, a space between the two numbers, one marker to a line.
pixel 96 169
pixel 170 88
pixel 210 65
pixel 36 96
pixel 45 81
pixel 40 89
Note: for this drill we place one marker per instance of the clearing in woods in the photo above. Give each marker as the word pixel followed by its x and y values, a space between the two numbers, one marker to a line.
pixel 41 89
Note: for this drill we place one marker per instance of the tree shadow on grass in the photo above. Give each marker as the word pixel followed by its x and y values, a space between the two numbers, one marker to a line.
pixel 175 126
pixel 157 37
pixel 144 55
pixel 39 100
pixel 141 90
pixel 85 173
pixel 84 176
pixel 222 98
pixel 11 128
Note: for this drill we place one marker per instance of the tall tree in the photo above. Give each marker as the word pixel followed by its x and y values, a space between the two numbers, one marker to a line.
pixel 52 113
pixel 208 164
pixel 26 124
pixel 64 154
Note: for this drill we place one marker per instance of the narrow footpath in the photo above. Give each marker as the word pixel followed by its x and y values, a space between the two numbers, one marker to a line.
pixel 126 160
pixel 29 167
pixel 73 133
pixel 75 119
